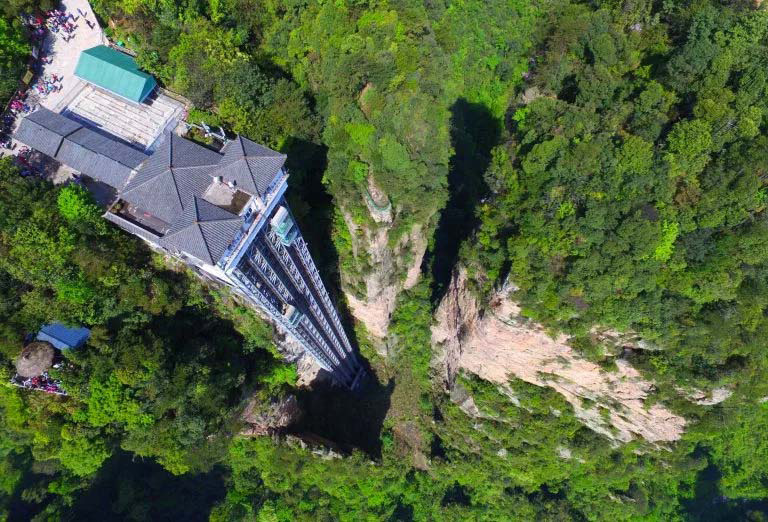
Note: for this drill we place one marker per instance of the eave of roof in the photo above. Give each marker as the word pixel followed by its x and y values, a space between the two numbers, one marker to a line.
pixel 83 149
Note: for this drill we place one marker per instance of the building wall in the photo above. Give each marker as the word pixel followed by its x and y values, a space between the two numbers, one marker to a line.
pixel 276 277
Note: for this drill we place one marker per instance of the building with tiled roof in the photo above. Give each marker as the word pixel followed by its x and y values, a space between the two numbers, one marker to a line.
pixel 98 156
pixel 223 212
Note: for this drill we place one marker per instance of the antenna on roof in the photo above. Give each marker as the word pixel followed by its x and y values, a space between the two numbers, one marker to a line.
pixel 207 132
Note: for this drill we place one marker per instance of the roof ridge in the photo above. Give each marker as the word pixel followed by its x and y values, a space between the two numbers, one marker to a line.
pixel 196 207
pixel 168 169
pixel 176 186
pixel 205 242
pixel 128 190
pixel 195 166
pixel 279 154
pixel 250 172
pixel 276 154
pixel 199 229
pixel 170 151
pixel 67 135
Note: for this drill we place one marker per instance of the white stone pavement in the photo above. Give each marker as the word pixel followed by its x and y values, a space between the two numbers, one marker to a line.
pixel 137 123
pixel 65 54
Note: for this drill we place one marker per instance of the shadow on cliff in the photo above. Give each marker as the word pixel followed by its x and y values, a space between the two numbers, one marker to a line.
pixel 312 205
pixel 349 420
pixel 474 132
pixel 313 208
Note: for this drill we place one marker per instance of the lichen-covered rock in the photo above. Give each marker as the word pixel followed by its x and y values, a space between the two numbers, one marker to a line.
pixel 715 396
pixel 319 446
pixel 307 368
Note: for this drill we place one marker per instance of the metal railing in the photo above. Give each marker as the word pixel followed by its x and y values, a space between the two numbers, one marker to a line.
pixel 316 312
pixel 314 274
pixel 255 294
pixel 256 259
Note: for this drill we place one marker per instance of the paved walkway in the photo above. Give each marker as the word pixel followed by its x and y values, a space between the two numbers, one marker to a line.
pixel 65 54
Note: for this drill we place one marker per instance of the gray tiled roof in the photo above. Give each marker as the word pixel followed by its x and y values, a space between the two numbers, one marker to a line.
pixel 251 166
pixel 54 121
pixel 78 147
pixel 167 194
pixel 115 150
pixel 167 185
pixel 44 130
pixel 186 153
pixel 99 157
pixel 203 230
pixel 177 172
pixel 175 153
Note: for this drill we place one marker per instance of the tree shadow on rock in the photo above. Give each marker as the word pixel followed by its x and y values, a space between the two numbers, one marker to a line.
pixel 474 132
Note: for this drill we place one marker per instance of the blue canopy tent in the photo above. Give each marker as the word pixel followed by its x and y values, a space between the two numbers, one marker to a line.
pixel 62 337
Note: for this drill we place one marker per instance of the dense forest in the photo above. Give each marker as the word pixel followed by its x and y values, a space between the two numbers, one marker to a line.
pixel 609 158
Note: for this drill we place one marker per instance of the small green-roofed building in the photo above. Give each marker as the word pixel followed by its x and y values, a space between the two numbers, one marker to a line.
pixel 116 72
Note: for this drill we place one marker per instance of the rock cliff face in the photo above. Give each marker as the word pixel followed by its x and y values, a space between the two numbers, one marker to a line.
pixel 498 343
pixel 270 418
pixel 385 279
pixel 307 368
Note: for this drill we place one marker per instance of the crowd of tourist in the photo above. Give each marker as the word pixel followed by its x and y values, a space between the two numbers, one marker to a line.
pixel 41 383
pixel 57 23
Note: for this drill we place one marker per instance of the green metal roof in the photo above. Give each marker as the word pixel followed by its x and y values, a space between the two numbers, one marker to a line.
pixel 114 71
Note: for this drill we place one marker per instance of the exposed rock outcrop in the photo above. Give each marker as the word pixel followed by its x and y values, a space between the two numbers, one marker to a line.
pixel 378 203
pixel 716 396
pixel 320 446
pixel 270 418
pixel 498 343
pixel 307 368
pixel 384 281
